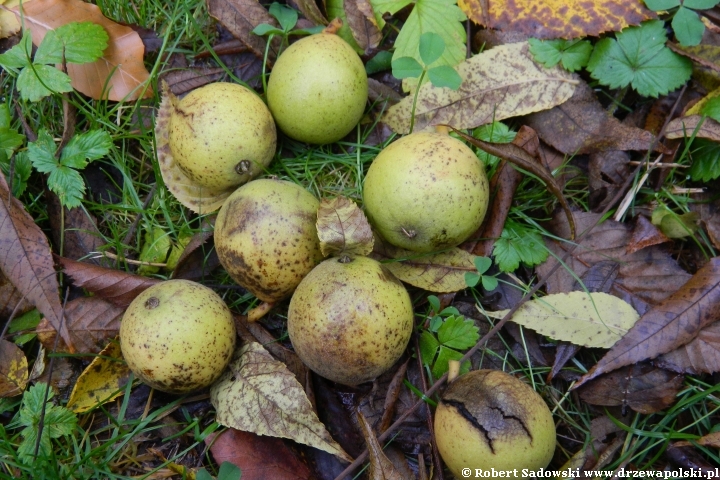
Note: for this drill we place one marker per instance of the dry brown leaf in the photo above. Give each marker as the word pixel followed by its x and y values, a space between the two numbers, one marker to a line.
pixel 644 234
pixel 102 381
pixel 79 228
pixel 114 286
pixel 91 321
pixel 182 81
pixel 13 369
pixel 607 172
pixel 702 127
pixel 381 468
pixel 669 325
pixel 701 355
pixel 259 394
pixel 343 228
pixel 240 17
pixel 364 28
pixel 311 11
pixel 709 440
pixel 9 24
pixel 498 83
pixel 556 18
pixel 27 260
pixel 11 300
pixel 197 198
pixel 119 74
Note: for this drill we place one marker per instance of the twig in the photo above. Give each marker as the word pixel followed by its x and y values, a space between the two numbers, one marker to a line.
pixel 127 260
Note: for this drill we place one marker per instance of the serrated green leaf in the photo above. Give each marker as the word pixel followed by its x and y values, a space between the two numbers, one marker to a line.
pixel 444 76
pixel 68 185
pixel 657 5
pixel 428 347
pixel 22 171
pixel 266 29
pixel 10 139
pixel 75 42
pixel 446 354
pixel 688 27
pixel 574 54
pixel 546 52
pixel 42 153
pixel 496 132
pixel 639 58
pixel 706 160
pixel 85 147
pixel 19 55
pixel 458 332
pixel 700 4
pixel 518 244
pixel 406 67
pixel 38 81
pixel 287 17
pixel 431 47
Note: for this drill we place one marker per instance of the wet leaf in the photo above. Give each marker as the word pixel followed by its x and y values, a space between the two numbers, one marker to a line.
pixel 381 468
pixel 343 228
pixel 197 198
pixel 496 84
pixel 556 18
pixel 240 17
pixel 13 369
pixel 364 28
pixel 644 234
pixel 439 272
pixel 91 322
pixel 258 457
pixel 642 387
pixel 589 319
pixel 27 261
pixel 102 381
pixel 702 127
pixel 700 355
pixel 114 286
pixel 669 325
pixel 259 394
pixel 119 74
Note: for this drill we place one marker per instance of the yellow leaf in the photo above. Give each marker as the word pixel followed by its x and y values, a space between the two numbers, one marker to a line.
pixel 687 126
pixel 557 18
pixel 592 320
pixel 102 381
pixel 13 369
pixel 9 25
pixel 260 395
pixel 499 83
pixel 343 228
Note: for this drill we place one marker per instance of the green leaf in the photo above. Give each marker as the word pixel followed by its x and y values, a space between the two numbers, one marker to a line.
pixel 42 153
pixel 435 323
pixel 712 108
pixel 5 118
pixel 26 321
pixel 75 42
pixel 86 147
pixel 266 29
pixel 447 311
pixel 19 55
pixel 22 171
pixel 443 359
pixel 706 160
pixel 444 76
pixel 336 9
pixel 482 264
pixel 518 244
pixel 10 139
pixel 574 54
pixel 431 47
pixel 203 474
pixel 700 4
pixel 229 471
pixel 496 132
pixel 639 57
pixel 434 303
pixel 39 81
pixel 68 185
pixel 472 279
pixel 657 5
pixel 389 6
pixel 287 17
pixel 406 67
pixel 688 27
pixel 428 347
pixel 458 332
pixel 307 31
pixel 489 283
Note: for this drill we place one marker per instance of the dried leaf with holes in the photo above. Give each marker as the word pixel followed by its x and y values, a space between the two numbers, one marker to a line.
pixel 13 369
pixel 102 380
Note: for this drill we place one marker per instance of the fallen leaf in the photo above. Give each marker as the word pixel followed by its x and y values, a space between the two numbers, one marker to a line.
pixel 11 300
pixel 13 369
pixel 674 322
pixel 9 25
pixel 199 257
pixel 197 198
pixel 593 319
pixel 311 11
pixel 364 28
pixel 259 394
pixel 697 125
pixel 114 286
pixel 644 234
pixel 27 261
pixel 91 322
pixel 119 75
pixel 343 228
pixel 182 81
pixel 102 381
pixel 81 235
pixel 700 355
pixel 439 272
pixel 381 468
pixel 556 18
pixel 258 457
pixel 607 172
pixel 240 17
pixel 496 84
pixel 709 440
pixel 642 387
pixel 582 125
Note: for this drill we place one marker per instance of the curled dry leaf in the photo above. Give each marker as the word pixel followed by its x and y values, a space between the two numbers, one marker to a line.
pixel 102 381
pixel 259 394
pixel 439 272
pixel 311 11
pixel 669 325
pixel 556 18
pixel 364 27
pixel 381 468
pixel 13 369
pixel 240 17
pixel 197 198
pixel 644 234
pixel 496 84
pixel 27 261
pixel 91 322
pixel 119 74
pixel 343 228
pixel 694 125
pixel 114 286
pixel 588 319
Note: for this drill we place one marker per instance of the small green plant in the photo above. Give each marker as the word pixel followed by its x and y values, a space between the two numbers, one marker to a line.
pixel 17 171
pixel 446 333
pixel 516 244
pixel 227 471
pixel 686 22
pixel 496 132
pixel 482 264
pixel 572 54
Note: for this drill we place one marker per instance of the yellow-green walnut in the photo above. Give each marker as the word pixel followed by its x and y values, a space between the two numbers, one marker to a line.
pixel 350 319
pixel 488 419
pixel 222 135
pixel 266 239
pixel 426 192
pixel 318 89
pixel 177 336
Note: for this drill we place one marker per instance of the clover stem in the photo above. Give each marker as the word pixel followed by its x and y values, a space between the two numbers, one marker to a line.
pixel 417 90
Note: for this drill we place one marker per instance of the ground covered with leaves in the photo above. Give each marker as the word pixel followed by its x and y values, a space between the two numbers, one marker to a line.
pixel 593 278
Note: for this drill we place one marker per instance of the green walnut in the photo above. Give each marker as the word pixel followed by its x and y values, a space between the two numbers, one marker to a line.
pixel 318 89
pixel 266 239
pixel 350 319
pixel 426 192
pixel 177 336
pixel 488 419
pixel 222 135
